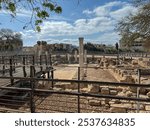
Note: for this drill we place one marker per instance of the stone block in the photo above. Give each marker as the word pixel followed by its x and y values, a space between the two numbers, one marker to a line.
pixel 148 94
pixel 113 92
pixel 91 98
pixel 140 59
pixel 106 101
pixel 128 79
pixel 121 94
pixel 116 101
pixel 40 86
pixel 142 107
pixel 134 90
pixel 129 94
pixel 120 108
pixel 93 88
pixel 94 102
pixel 119 89
pixel 84 90
pixel 117 110
pixel 105 91
pixel 147 107
pixel 134 62
pixel 58 89
pixel 107 105
pixel 48 85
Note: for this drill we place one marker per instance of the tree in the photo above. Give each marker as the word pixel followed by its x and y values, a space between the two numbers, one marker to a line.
pixel 10 38
pixel 140 2
pixel 40 10
pixel 137 25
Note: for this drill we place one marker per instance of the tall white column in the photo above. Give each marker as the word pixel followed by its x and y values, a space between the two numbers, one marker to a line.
pixel 81 57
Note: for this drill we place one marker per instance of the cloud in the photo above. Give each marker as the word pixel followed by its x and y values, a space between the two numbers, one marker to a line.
pixel 125 11
pixel 87 12
pixel 103 10
pixel 79 27
pixel 102 23
pixel 19 13
pixel 23 13
pixel 109 38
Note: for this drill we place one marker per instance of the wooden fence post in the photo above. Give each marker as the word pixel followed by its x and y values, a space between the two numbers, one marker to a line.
pixel 41 63
pixel 78 90
pixel 3 62
pixel 24 69
pixel 11 71
pixel 32 103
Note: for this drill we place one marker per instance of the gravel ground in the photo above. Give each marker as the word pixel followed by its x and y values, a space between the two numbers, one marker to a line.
pixel 65 103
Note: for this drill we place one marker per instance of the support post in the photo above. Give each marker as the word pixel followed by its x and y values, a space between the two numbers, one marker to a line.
pixel 78 90
pixel 50 60
pixel 14 68
pixel 3 62
pixel 81 57
pixel 33 63
pixel 138 90
pixel 46 60
pixel 32 104
pixel 41 63
pixel 24 69
pixel 11 71
pixel 52 76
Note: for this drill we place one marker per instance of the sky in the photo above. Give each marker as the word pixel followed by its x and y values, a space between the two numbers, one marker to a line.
pixel 95 20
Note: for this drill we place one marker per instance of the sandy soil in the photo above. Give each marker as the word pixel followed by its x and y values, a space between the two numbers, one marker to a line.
pixel 100 75
pixel 65 72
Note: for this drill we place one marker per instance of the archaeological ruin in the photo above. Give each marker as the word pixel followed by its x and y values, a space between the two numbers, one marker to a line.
pixel 75 81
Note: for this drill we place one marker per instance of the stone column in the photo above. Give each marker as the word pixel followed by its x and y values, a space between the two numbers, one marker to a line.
pixel 81 57
pixel 46 53
pixel 85 56
pixel 40 52
pixel 76 56
pixel 46 57
pixel 40 49
pixel 68 58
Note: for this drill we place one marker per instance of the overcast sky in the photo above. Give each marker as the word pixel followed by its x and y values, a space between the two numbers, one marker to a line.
pixel 94 20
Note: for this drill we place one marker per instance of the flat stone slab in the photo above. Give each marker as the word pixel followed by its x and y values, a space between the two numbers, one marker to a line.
pixel 94 102
pixel 147 107
pixel 126 106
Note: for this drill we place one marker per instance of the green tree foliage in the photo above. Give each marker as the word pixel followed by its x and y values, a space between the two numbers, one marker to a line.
pixel 91 47
pixel 137 25
pixel 40 10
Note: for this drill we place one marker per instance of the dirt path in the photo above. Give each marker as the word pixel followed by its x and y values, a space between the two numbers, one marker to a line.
pixel 65 73
pixel 100 75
